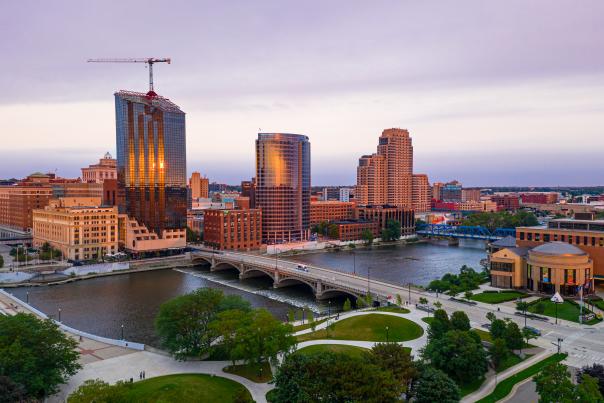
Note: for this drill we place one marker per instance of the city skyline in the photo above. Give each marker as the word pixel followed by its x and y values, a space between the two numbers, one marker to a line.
pixel 461 80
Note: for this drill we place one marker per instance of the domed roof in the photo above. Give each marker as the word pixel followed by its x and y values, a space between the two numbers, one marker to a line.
pixel 107 156
pixel 558 249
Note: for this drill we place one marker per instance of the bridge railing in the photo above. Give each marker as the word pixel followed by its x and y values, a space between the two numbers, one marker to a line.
pixel 465 231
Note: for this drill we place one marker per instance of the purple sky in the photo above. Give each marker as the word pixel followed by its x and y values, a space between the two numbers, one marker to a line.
pixel 493 93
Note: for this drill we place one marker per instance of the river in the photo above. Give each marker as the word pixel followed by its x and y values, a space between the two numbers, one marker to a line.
pixel 101 305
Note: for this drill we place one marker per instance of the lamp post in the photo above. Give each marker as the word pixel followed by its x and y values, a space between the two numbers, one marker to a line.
pixel 387 334
pixel 122 331
pixel 27 297
pixel 354 263
pixel 328 308
pixel 59 314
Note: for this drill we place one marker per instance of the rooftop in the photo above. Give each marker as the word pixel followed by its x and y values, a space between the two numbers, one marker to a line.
pixel 558 249
pixel 507 242
pixel 154 100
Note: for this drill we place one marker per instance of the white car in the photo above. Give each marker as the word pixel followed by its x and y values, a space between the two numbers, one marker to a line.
pixel 301 267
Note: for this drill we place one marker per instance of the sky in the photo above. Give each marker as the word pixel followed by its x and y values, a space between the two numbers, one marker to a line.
pixel 507 93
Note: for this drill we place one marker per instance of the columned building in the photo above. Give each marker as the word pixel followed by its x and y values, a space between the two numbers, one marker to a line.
pixel 151 167
pixel 283 186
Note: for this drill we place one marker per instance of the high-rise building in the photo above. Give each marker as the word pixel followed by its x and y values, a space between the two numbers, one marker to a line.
pixel 151 166
pixel 451 192
pixel 345 194
pixel 283 186
pixel 371 180
pixel 437 190
pixel 421 193
pixel 470 195
pixel 97 173
pixel 199 186
pixel 387 177
pixel 248 189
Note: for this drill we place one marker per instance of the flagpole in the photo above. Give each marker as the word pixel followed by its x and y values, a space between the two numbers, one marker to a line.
pixel 581 306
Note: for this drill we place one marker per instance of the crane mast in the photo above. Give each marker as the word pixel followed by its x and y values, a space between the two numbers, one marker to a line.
pixel 148 60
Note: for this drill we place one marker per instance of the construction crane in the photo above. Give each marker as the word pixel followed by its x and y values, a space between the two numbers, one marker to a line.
pixel 148 60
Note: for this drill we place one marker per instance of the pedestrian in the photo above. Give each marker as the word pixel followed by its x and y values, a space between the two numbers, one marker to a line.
pixel 144 374
pixel 140 375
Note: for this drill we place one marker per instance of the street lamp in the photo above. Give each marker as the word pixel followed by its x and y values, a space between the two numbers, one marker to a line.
pixel 328 308
pixel 27 297
pixel 122 331
pixel 59 314
pixel 354 263
pixel 387 334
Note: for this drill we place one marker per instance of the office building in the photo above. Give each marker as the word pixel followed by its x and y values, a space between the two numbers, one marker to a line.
pixel 233 229
pixel 97 173
pixel 421 193
pixel 470 195
pixel 18 201
pixel 81 228
pixel 371 180
pixel 70 189
pixel 331 210
pixel 451 192
pixel 199 186
pixel 506 201
pixel 539 198
pixel 384 213
pixel 353 230
pixel 151 166
pixel 283 186
pixel 248 189
pixel 345 194
pixel 437 191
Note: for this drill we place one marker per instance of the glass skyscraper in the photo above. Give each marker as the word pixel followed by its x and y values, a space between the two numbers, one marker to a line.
pixel 283 186
pixel 151 161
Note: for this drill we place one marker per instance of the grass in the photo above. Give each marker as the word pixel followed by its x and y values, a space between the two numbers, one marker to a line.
pixel 484 335
pixel 599 304
pixel 308 325
pixel 470 387
pixel 505 387
pixel 185 388
pixel 334 348
pixel 498 297
pixel 259 373
pixel 393 308
pixel 428 319
pixel 510 361
pixel 566 310
pixel 371 327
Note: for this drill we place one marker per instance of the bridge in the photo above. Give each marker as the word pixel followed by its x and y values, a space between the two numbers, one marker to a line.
pixel 464 231
pixel 324 283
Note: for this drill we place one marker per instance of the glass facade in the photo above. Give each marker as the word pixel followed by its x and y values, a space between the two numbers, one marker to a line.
pixel 283 186
pixel 151 161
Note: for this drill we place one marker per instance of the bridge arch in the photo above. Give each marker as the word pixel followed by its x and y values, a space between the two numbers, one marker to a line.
pixel 336 292
pixel 225 266
pixel 292 281
pixel 201 260
pixel 256 272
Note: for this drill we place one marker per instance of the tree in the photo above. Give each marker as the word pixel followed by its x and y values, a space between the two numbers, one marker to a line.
pixel 233 301
pixel 332 377
pixel 261 338
pixel 226 325
pixel 460 321
pixel 522 307
pixel 36 354
pixel 193 236
pixel 1 261
pixel 468 295
pixel 399 300
pixel 291 316
pixel 10 392
pixel 554 384
pixel 539 308
pixel 333 231
pixel 397 360
pixel 513 336
pixel 347 305
pixel 423 300
pixel 497 330
pixel 528 335
pixel 587 390
pixel 183 322
pixel 96 390
pixel 459 354
pixel 439 326
pixel 367 236
pixel 438 304
pixel 434 385
pixel 498 352
pixel 595 371
pixel 491 316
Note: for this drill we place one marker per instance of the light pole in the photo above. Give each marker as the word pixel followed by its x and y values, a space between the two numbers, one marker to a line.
pixel 59 314
pixel 122 331
pixel 368 280
pixel 387 334
pixel 27 297
pixel 409 284
pixel 354 263
pixel 328 308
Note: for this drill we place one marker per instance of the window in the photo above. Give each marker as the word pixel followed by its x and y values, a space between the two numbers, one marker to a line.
pixel 529 236
pixel 522 236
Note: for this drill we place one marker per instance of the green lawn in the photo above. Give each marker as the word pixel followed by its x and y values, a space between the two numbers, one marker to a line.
pixel 512 360
pixel 254 372
pixel 470 387
pixel 371 327
pixel 599 303
pixel 484 335
pixel 334 348
pixel 566 310
pixel 498 297
pixel 307 325
pixel 393 308
pixel 185 388
pixel 505 387
pixel 428 319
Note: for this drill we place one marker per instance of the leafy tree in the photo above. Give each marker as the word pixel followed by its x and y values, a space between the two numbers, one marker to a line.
pixel 311 320
pixel 434 385
pixel 183 322
pixel 459 354
pixel 587 390
pixel 522 307
pixel 501 219
pixel 332 377
pixel 333 231
pixel 595 371
pixel 392 231
pixel 399 299
pixel 539 308
pixel 397 360
pixel 229 302
pixel 291 316
pixel 491 316
pixel 10 392
pixel 460 321
pixel 528 335
pixel 440 325
pixel 36 354
pixel 226 326
pixel 96 390
pixel 262 338
pixel 498 352
pixel 347 305
pixel 423 300
pixel 438 304
pixel 497 330
pixel 468 295
pixel 367 236
pixel 513 336
pixel 193 236
pixel 554 384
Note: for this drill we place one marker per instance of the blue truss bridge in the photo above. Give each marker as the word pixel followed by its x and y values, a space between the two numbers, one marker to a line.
pixel 465 232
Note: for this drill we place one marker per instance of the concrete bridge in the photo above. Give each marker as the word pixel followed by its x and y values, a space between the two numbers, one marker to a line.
pixel 324 283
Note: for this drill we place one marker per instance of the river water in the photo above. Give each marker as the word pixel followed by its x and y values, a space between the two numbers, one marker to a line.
pixel 101 305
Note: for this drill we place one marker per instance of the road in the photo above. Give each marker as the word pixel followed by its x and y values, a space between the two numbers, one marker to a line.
pixel 584 344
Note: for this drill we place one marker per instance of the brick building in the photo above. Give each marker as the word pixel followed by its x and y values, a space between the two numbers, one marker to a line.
pixel 352 230
pixel 422 193
pixel 105 169
pixel 233 229
pixel 382 214
pixel 539 197
pixel 18 201
pixel 507 202
pixel 331 210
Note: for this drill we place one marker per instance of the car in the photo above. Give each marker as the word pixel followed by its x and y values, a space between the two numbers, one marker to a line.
pixel 301 267
pixel 486 326
pixel 533 330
